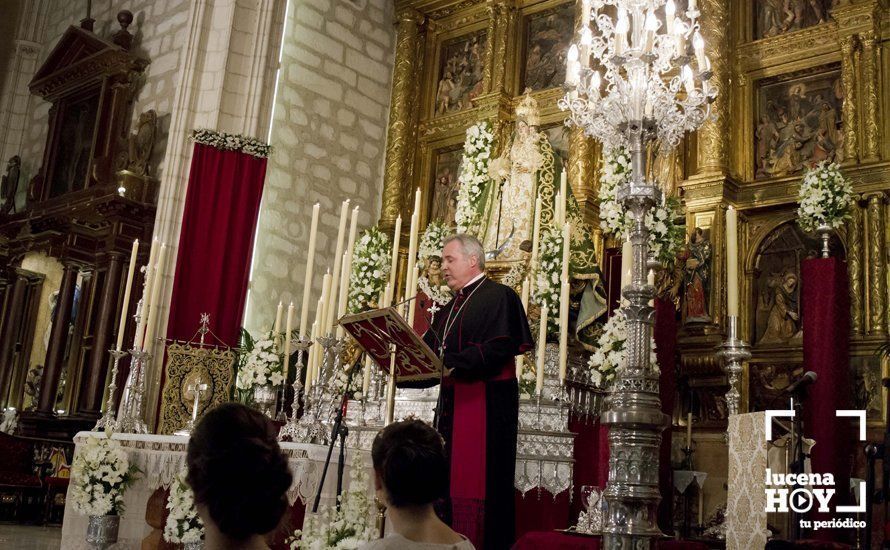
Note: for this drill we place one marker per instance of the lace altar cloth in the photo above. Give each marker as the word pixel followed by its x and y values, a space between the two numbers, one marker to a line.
pixel 160 457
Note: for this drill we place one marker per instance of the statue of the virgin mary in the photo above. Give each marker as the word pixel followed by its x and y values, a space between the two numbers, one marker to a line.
pixel 527 168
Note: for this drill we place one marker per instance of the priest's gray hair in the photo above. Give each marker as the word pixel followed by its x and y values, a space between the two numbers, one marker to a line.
pixel 471 247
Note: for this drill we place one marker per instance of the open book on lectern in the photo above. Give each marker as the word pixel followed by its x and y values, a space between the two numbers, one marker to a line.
pixel 380 330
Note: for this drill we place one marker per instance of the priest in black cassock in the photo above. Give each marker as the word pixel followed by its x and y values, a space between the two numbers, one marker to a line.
pixel 478 335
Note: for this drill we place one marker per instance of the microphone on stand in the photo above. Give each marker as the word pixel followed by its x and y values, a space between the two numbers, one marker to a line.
pixel 808 378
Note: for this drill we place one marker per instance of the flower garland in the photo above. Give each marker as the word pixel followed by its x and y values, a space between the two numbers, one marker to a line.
pixel 616 173
pixel 231 142
pixel 665 235
pixel 100 475
pixel 262 365
pixel 547 277
pixel 825 197
pixel 370 270
pixel 183 525
pixel 473 177
pixel 347 528
pixel 611 353
pixel 430 248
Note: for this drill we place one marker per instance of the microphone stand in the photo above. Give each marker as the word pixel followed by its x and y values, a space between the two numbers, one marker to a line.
pixel 338 428
pixel 797 467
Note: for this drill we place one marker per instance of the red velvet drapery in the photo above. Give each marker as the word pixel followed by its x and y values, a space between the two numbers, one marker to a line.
pixel 826 342
pixel 215 246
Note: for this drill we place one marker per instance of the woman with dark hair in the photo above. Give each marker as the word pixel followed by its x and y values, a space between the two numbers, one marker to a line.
pixel 239 476
pixel 410 475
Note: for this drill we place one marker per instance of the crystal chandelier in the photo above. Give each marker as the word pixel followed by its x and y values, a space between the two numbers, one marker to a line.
pixel 636 78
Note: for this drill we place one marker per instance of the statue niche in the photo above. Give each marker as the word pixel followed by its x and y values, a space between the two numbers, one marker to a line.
pixel 777 298
pixel 90 82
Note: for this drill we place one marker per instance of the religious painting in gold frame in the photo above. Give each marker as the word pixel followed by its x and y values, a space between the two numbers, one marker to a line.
pixel 188 366
pixel 446 165
pixel 547 36
pixel 558 135
pixel 775 17
pixel 867 389
pixel 459 73
pixel 798 122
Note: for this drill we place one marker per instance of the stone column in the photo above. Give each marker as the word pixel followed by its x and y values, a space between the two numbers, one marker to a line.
pixel 877 267
pixel 870 100
pixel 848 79
pixel 401 134
pixel 712 136
pixel 12 319
pixel 854 261
pixel 55 353
pixel 92 381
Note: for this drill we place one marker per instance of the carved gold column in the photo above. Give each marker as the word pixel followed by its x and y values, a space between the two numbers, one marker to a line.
pixel 877 268
pixel 870 100
pixel 854 261
pixel 848 79
pixel 504 13
pixel 712 136
pixel 402 114
pixel 492 11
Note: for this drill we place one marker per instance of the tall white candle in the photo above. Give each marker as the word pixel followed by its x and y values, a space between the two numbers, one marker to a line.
pixel 520 359
pixel 563 196
pixel 394 261
pixel 366 376
pixel 566 249
pixel 650 280
pixel 344 292
pixel 338 259
pixel 627 255
pixel 732 262
pixel 146 294
pixel 542 345
pixel 557 215
pixel 325 325
pixel 563 329
pixel 125 306
pixel 391 390
pixel 412 305
pixel 276 329
pixel 307 279
pixel 151 324
pixel 353 229
pixel 412 250
pixel 289 327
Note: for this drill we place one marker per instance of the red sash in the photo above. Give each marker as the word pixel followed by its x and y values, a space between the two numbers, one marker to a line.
pixel 468 461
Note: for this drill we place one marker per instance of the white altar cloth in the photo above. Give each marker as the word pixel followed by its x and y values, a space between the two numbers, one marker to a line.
pixel 160 457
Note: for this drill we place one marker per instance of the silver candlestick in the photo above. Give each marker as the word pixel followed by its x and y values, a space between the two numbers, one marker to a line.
pixel 108 421
pixel 824 231
pixel 734 351
pixel 196 389
pixel 130 415
pixel 291 430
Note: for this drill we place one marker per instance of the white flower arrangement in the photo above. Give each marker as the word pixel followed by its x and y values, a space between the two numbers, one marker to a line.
pixel 183 525
pixel 347 528
pixel 548 275
pixel 665 236
pixel 430 246
pixel 231 142
pixel 262 366
pixel 615 174
pixel 100 474
pixel 825 197
pixel 473 177
pixel 611 351
pixel 370 270
pixel 528 379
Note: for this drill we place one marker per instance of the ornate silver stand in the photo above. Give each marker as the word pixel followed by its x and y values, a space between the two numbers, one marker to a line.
pixel 108 421
pixel 634 409
pixel 311 427
pixel 824 231
pixel 291 429
pixel 129 419
pixel 734 351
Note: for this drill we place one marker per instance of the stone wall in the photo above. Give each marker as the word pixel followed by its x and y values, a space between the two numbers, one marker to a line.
pixel 329 134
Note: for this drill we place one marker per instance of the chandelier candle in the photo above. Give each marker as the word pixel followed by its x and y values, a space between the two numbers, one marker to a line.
pixel 651 97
